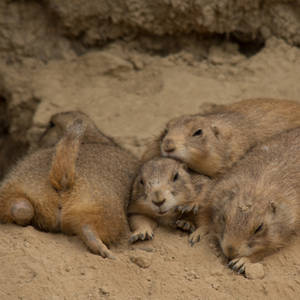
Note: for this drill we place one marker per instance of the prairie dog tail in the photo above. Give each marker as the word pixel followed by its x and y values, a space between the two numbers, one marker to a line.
pixel 62 172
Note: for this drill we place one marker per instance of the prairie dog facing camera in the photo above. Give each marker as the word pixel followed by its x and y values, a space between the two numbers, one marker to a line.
pixel 161 185
pixel 256 206
pixel 210 143
pixel 75 188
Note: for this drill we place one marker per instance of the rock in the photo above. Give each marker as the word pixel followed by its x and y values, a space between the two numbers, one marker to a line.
pixel 225 54
pixel 192 275
pixel 255 271
pixel 216 55
pixel 137 62
pixel 141 259
pixel 104 291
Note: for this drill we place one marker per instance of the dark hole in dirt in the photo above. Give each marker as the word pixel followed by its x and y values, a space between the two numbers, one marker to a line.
pixel 199 45
pixel 161 46
pixel 247 46
pixel 10 149
pixel 4 124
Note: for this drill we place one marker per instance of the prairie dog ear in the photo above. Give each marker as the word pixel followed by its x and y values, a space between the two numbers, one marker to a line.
pixel 50 136
pixel 215 131
pixel 222 129
pixel 137 188
pixel 273 207
pixel 184 167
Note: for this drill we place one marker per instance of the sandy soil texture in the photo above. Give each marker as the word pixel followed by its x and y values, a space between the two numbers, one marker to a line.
pixel 131 87
pixel 131 105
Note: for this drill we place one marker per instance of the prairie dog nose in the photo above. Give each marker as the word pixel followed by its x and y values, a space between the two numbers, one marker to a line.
pixel 168 145
pixel 159 199
pixel 159 202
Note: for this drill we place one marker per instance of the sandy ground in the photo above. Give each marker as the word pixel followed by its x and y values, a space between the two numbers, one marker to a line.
pixel 130 97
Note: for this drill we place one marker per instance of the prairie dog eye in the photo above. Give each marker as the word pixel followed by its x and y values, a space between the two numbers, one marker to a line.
pixel 142 182
pixel 51 124
pixel 259 228
pixel 175 177
pixel 198 132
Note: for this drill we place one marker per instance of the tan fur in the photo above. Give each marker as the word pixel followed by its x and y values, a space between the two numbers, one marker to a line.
pixel 75 188
pixel 228 132
pixel 62 172
pixel 153 147
pixel 256 205
pixel 161 185
pixel 60 121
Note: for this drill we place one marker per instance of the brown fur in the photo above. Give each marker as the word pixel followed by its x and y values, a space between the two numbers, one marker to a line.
pixel 60 121
pixel 256 206
pixel 161 185
pixel 74 188
pixel 62 172
pixel 227 132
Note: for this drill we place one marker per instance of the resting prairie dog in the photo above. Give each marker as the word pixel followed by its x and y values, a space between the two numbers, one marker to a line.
pixel 59 122
pixel 161 185
pixel 256 205
pixel 74 188
pixel 211 143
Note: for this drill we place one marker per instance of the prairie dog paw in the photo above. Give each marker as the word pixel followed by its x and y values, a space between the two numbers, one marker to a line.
pixel 196 235
pixel 185 225
pixel 239 264
pixel 188 207
pixel 105 253
pixel 144 234
pixel 94 243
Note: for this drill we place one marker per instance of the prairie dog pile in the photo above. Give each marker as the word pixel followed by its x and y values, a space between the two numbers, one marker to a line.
pixel 232 170
pixel 251 149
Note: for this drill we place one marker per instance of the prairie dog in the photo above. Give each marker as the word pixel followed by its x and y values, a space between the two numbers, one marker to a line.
pixel 256 205
pixel 59 122
pixel 161 185
pixel 211 143
pixel 74 188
